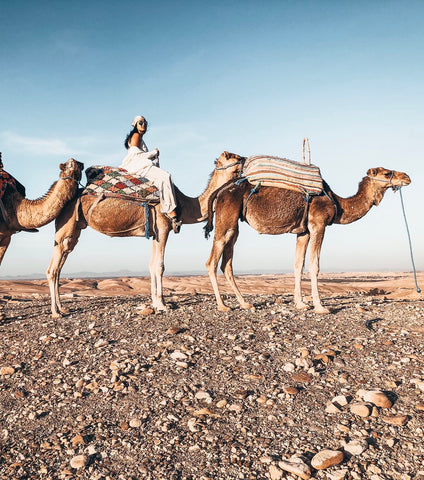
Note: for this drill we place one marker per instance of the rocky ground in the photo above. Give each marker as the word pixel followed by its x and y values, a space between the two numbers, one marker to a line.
pixel 115 392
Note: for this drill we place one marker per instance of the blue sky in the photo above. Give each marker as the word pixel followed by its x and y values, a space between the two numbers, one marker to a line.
pixel 244 76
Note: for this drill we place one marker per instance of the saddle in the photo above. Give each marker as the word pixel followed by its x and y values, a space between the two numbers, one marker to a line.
pixel 118 183
pixel 283 173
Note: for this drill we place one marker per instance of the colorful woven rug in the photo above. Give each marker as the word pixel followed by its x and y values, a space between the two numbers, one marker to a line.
pixel 118 183
pixel 5 180
pixel 283 173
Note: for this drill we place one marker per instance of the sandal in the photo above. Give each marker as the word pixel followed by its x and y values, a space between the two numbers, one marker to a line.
pixel 176 224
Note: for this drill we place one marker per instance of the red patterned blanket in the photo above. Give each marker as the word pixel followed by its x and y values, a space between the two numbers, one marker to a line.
pixel 5 180
pixel 118 183
pixel 283 173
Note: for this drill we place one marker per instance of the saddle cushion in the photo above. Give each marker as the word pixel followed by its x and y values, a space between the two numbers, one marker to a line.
pixel 118 183
pixel 283 173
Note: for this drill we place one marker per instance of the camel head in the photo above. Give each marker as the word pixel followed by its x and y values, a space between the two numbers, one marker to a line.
pixel 71 169
pixel 231 163
pixel 382 179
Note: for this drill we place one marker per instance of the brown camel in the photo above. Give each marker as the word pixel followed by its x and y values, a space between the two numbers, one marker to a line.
pixel 118 218
pixel 22 214
pixel 276 210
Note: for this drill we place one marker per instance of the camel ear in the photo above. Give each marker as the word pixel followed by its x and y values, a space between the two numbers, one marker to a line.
pixel 62 166
pixel 226 154
pixel 372 172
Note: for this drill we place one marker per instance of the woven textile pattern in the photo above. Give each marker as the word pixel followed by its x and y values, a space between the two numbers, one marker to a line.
pixel 283 173
pixel 5 180
pixel 118 183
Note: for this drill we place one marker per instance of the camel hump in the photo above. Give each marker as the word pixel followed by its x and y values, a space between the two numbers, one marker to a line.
pixel 283 173
pixel 117 182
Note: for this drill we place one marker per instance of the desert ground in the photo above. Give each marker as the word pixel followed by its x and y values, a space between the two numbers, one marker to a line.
pixel 115 391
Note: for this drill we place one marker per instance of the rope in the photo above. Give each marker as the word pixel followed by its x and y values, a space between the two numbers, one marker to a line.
pixel 146 211
pixel 409 240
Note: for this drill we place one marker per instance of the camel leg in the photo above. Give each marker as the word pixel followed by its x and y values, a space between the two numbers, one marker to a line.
pixel 157 267
pixel 4 243
pixel 302 242
pixel 66 237
pixel 218 247
pixel 227 269
pixel 317 238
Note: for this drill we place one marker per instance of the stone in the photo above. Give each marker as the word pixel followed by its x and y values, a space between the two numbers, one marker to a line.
pixel 80 461
pixel 289 367
pixel 302 377
pixel 356 447
pixel 338 474
pixel 135 423
pixel 378 398
pixel 327 458
pixel 146 311
pixel 296 466
pixel 173 330
pixel 177 355
pixel 290 390
pixel 77 440
pixel 397 420
pixel 203 396
pixel 361 409
pixel 275 473
pixel 332 408
pixel 7 371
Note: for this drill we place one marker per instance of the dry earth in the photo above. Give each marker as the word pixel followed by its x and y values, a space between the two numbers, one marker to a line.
pixel 112 391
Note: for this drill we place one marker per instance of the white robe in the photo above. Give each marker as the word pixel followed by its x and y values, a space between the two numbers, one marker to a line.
pixel 142 163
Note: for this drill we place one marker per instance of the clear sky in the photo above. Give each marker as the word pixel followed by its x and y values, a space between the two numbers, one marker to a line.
pixel 250 77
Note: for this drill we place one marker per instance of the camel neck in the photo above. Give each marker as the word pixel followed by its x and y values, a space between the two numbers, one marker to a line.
pixel 355 207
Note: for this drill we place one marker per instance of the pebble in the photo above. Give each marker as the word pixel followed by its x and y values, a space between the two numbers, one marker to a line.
pixel 378 398
pixel 290 390
pixel 326 458
pixel 135 423
pixel 7 371
pixel 203 396
pixel 356 447
pixel 77 440
pixel 79 461
pixel 361 409
pixel 302 377
pixel 177 355
pixel 275 473
pixel 338 474
pixel 296 466
pixel 289 367
pixel 397 420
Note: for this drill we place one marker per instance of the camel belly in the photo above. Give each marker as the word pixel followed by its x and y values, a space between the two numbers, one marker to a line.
pixel 114 217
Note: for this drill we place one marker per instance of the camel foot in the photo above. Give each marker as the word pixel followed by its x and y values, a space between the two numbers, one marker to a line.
pixel 160 308
pixel 247 306
pixel 321 310
pixel 302 306
pixel 224 308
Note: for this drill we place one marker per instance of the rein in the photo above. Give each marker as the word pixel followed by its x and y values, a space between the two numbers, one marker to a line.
pixel 382 180
pixel 231 165
pixel 409 238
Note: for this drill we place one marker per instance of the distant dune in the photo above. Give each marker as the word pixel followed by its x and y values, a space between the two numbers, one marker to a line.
pixel 396 285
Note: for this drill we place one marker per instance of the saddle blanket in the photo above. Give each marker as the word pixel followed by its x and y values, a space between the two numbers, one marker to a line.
pixel 118 183
pixel 283 173
pixel 5 180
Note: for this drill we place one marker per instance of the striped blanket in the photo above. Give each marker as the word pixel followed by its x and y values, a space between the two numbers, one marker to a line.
pixel 118 183
pixel 283 173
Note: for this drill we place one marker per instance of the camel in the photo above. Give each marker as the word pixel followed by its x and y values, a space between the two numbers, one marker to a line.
pixel 20 214
pixel 118 218
pixel 275 211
